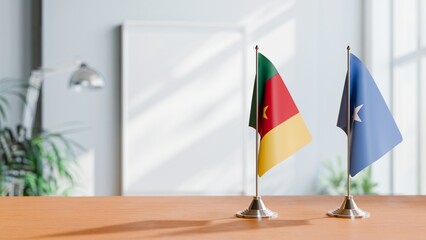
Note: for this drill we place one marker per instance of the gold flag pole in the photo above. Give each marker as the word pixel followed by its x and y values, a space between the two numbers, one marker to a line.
pixel 348 209
pixel 257 208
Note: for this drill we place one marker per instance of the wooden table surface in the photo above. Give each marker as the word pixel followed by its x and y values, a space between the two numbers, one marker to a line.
pixel 301 217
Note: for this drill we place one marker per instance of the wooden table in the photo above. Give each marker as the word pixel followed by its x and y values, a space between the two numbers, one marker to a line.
pixel 392 217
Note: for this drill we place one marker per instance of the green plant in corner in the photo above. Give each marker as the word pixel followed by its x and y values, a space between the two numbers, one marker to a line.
pixel 334 180
pixel 32 166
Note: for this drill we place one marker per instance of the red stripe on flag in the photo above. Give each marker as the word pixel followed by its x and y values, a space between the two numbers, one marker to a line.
pixel 278 103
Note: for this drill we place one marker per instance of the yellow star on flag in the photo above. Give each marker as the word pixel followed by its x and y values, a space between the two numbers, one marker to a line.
pixel 264 112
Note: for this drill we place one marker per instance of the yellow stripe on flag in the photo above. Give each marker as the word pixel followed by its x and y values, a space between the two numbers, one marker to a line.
pixel 282 141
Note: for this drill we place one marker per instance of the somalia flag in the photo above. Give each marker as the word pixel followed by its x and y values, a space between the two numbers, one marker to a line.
pixel 373 130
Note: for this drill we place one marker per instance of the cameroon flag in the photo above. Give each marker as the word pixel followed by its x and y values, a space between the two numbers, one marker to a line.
pixel 281 127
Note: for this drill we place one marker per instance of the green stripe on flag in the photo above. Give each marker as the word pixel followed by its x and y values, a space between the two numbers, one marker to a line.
pixel 266 71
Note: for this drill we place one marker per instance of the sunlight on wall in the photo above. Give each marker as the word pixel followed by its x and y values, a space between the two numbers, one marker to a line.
pixel 180 138
pixel 199 129
pixel 265 13
pixel 405 12
pixel 395 43
pixel 283 38
pixel 405 111
pixel 211 48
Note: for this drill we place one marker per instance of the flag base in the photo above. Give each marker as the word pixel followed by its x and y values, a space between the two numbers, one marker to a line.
pixel 257 209
pixel 348 209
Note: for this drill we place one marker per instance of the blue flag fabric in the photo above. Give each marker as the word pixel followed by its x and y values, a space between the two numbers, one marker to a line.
pixel 373 130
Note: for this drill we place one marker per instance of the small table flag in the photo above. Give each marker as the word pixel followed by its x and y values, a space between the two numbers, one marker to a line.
pixel 373 129
pixel 281 126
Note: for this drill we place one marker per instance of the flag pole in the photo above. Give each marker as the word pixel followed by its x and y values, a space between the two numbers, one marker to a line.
pixel 257 121
pixel 257 208
pixel 348 209
pixel 348 123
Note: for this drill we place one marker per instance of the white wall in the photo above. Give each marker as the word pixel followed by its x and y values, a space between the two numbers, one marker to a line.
pixel 305 39
pixel 15 47
pixel 393 47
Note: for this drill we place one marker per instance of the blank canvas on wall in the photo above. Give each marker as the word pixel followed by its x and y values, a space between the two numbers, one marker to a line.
pixel 183 117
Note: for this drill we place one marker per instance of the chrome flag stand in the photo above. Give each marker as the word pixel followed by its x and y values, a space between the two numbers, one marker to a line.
pixel 257 208
pixel 348 209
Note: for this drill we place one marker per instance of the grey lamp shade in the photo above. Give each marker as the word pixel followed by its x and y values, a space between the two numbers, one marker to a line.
pixel 86 77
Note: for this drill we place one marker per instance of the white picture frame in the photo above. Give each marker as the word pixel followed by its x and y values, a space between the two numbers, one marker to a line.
pixel 208 156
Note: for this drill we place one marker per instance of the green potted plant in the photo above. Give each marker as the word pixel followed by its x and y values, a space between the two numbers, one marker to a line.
pixel 32 165
pixel 334 180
